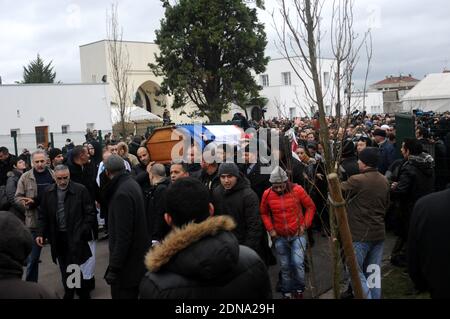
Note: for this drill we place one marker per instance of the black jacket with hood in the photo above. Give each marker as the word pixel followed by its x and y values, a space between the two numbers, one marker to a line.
pixel 242 203
pixel 415 180
pixel 204 261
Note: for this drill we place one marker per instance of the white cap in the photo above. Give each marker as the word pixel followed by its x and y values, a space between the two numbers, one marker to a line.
pixel 385 127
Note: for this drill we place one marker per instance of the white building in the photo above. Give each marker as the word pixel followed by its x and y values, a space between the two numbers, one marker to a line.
pixel 66 110
pixel 286 92
pixel 431 94
pixel 143 84
pixel 371 102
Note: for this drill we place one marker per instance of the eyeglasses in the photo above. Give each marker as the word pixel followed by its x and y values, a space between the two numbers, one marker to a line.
pixel 62 178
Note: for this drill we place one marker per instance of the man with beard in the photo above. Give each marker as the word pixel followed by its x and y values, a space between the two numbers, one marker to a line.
pixel 30 189
pixel 282 213
pixel 235 198
pixel 66 219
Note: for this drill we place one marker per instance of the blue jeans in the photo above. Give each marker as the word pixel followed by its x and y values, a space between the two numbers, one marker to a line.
pixel 33 261
pixel 291 252
pixel 369 256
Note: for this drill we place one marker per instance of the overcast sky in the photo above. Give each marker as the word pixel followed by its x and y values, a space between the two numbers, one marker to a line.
pixel 409 36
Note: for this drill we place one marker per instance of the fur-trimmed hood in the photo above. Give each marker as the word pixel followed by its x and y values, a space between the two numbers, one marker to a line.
pixel 198 250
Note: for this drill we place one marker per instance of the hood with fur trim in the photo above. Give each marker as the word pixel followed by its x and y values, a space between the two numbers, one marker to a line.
pixel 204 250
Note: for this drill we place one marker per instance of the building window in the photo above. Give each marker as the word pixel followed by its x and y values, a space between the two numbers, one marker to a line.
pixel 286 78
pixel 265 80
pixel 326 79
pixel 65 129
pixel 328 110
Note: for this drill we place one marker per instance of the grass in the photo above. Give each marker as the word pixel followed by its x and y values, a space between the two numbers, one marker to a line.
pixel 396 284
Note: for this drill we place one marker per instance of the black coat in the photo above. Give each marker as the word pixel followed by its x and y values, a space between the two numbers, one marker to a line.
pixel 86 176
pixel 5 167
pixel 11 187
pixel 242 204
pixel 349 167
pixel 127 227
pixel 155 198
pixel 429 244
pixel 205 261
pixel 415 180
pixel 210 181
pixel 80 214
pixel 258 182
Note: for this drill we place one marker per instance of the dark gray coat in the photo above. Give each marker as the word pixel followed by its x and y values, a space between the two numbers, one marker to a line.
pixel 80 218
pixel 127 226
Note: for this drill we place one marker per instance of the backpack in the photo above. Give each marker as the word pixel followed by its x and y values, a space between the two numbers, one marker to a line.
pixel 4 203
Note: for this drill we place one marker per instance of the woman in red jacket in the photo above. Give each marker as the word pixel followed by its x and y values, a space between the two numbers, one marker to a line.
pixel 281 210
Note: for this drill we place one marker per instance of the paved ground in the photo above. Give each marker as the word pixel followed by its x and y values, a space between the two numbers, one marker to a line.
pixel 50 277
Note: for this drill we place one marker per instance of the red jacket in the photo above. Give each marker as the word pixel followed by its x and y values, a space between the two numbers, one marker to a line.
pixel 284 213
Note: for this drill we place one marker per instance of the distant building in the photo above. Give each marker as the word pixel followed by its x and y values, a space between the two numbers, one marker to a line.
pixel 371 102
pixel 286 94
pixel 143 84
pixel 431 94
pixel 393 89
pixel 34 111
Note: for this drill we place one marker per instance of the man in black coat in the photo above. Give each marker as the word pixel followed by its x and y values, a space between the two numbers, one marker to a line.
pixel 235 198
pixel 201 257
pixel 415 180
pixel 66 218
pixel 6 164
pixel 429 245
pixel 208 175
pixel 251 169
pixel 155 203
pixel 349 163
pixel 127 226
pixel 84 171
pixel 144 159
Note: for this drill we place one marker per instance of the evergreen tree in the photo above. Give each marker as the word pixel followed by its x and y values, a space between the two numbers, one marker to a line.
pixel 208 51
pixel 38 72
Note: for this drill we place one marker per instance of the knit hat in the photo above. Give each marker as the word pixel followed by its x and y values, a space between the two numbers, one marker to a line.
pixel 379 132
pixel 278 176
pixel 370 156
pixel 15 244
pixel 229 169
pixel 53 153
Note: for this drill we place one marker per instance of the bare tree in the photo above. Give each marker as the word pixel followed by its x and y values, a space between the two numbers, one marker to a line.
pixel 120 65
pixel 300 38
pixel 281 108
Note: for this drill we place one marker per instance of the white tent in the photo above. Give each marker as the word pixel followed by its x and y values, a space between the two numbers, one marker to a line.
pixel 430 94
pixel 135 114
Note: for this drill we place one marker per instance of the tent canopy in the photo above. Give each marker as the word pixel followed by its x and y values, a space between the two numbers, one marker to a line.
pixel 433 87
pixel 135 114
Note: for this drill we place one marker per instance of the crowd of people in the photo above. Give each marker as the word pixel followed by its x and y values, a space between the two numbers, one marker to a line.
pixel 212 229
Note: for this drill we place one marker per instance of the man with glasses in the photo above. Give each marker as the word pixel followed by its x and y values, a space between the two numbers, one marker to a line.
pixel 281 210
pixel 67 216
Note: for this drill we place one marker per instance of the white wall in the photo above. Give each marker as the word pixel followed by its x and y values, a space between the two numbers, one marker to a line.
pixel 283 98
pixel 24 107
pixel 373 102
